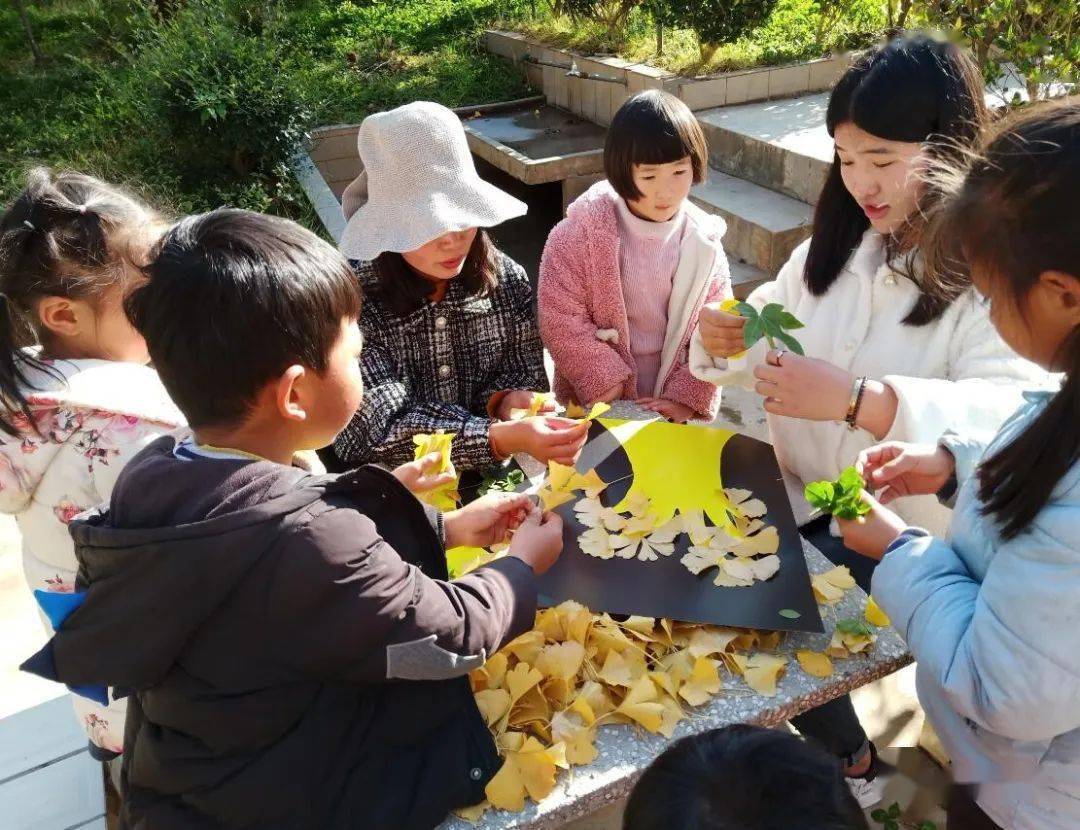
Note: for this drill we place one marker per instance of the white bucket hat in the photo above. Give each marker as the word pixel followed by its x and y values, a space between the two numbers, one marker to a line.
pixel 418 182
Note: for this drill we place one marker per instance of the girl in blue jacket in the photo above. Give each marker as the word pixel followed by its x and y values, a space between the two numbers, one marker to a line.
pixel 992 613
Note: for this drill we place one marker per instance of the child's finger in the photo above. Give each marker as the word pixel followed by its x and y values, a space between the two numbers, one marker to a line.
pixel 893 468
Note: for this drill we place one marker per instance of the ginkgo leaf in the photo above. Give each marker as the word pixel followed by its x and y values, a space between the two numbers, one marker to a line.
pixel 526 646
pixel 531 708
pixel 592 513
pixel 874 615
pixel 760 671
pixel 535 405
pixel 560 476
pixel 560 659
pixel 591 483
pixel 744 504
pixel 520 679
pixel 767 541
pixel 703 683
pixel 493 704
pixel 446 496
pixel 693 525
pixel 577 411
pixel 529 770
pixel 491 674
pixel 472 814
pixel 713 640
pixel 571 729
pixel 845 644
pixel 815 663
pixel 552 499
pixel 617 671
pixel 638 527
pixel 649 550
pixel 641 705
pixel 829 587
pixel 597 542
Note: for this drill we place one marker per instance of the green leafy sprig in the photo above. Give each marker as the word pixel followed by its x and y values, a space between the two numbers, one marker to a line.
pixel 842 498
pixel 890 819
pixel 501 484
pixel 772 323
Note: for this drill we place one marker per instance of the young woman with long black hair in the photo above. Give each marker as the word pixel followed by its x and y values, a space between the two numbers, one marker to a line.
pixel 893 351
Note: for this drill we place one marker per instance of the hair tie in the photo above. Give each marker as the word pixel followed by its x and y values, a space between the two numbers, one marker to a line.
pixel 29 225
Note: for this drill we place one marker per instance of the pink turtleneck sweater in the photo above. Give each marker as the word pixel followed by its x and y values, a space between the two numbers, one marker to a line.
pixel 648 258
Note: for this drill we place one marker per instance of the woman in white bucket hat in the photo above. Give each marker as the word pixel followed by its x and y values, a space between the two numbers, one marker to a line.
pixel 450 335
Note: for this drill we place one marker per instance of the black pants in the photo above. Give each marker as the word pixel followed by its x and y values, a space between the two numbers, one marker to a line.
pixel 835 725
pixel 964 814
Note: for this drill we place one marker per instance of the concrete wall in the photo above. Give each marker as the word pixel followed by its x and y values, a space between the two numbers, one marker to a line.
pixel 598 100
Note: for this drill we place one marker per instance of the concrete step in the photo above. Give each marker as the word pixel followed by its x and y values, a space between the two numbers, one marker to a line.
pixel 781 145
pixel 745 278
pixel 764 226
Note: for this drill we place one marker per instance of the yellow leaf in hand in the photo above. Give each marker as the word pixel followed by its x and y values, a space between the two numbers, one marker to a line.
pixel 560 476
pixel 552 499
pixel 874 615
pixel 815 663
pixel 703 683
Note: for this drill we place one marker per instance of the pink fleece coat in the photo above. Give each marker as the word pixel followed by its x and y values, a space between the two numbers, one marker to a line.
pixel 580 297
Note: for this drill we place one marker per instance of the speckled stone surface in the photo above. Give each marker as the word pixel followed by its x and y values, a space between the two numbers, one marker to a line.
pixel 625 751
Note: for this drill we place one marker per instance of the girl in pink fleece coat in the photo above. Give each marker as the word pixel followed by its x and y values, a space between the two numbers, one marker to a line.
pixel 625 274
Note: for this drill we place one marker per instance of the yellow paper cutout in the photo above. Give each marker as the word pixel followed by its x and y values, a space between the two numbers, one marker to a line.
pixel 675 466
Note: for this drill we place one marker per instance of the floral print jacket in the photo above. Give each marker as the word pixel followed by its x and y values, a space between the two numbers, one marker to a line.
pixel 90 417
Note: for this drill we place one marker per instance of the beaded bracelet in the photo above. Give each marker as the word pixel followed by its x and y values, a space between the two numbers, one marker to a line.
pixel 858 387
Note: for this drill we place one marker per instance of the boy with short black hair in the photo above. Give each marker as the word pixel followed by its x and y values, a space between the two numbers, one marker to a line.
pixel 294 654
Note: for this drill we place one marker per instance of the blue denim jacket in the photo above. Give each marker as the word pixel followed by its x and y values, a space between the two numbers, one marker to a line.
pixel 995 627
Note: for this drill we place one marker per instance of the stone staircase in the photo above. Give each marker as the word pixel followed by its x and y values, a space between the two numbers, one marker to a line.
pixel 768 161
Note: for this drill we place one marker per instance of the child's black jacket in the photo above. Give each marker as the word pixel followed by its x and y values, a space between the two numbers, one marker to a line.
pixel 293 658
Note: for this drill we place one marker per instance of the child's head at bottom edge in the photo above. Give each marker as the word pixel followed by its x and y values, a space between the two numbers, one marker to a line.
pixel 743 778
pixel 251 322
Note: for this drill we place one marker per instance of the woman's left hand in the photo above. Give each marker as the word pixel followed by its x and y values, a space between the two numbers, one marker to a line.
pixel 872 534
pixel 803 387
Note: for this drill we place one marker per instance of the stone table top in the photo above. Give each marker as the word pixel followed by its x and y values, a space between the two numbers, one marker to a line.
pixel 625 750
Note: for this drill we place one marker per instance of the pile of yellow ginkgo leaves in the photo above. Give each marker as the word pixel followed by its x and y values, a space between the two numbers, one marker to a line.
pixel 544 694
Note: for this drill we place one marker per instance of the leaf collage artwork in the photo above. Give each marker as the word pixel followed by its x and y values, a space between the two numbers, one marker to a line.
pixel 660 532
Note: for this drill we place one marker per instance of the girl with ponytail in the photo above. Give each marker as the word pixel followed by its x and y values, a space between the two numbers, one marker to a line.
pixel 77 399
pixel 992 613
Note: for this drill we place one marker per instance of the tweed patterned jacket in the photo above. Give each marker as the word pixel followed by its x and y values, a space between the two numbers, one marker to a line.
pixel 437 368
